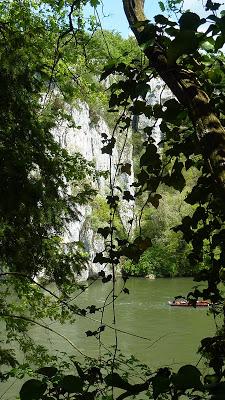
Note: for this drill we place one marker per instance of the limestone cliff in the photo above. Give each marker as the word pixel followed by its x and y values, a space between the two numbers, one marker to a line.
pixel 86 138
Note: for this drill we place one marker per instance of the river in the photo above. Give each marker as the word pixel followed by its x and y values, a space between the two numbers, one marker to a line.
pixel 173 333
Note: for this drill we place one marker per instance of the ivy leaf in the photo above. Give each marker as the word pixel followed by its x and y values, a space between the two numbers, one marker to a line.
pixel 108 148
pixel 90 333
pixel 116 380
pixel 160 385
pixel 99 258
pixel 112 201
pixel 104 231
pixel 108 70
pixel 160 19
pixel 185 42
pixel 176 179
pixel 47 371
pixel 79 370
pixel 126 168
pixel 220 40
pixel 147 36
pixel 154 200
pixel 150 157
pixel 138 107
pixel 173 108
pixel 127 195
pixel 188 377
pixel 72 384
pixel 107 279
pixel 211 6
pixel 92 309
pixel 32 390
pixel 101 273
pixel 189 21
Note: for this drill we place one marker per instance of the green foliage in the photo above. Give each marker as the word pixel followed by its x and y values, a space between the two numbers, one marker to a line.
pixel 100 216
pixel 163 259
pixel 35 170
pixel 38 62
pixel 36 173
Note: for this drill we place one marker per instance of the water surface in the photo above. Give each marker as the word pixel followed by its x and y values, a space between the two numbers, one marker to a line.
pixel 174 333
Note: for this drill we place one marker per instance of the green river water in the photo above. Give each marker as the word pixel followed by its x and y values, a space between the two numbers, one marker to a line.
pixel 174 333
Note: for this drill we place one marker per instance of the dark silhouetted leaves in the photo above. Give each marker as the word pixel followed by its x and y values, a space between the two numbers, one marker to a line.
pixel 185 42
pixel 150 157
pixel 176 178
pixel 160 385
pixel 95 333
pixel 32 390
pixel 162 20
pixel 105 231
pixel 99 258
pixel 127 195
pixel 147 36
pixel 154 199
pixel 126 168
pixel 47 371
pixel 173 108
pixel 94 3
pixel 188 377
pixel 107 278
pixel 72 384
pixel 90 333
pixel 101 274
pixel 112 201
pixel 134 250
pixel 189 21
pixel 212 6
pixel 79 370
pixel 92 309
pixel 108 148
pixel 116 380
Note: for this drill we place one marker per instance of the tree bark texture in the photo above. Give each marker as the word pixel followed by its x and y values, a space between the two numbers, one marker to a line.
pixel 189 92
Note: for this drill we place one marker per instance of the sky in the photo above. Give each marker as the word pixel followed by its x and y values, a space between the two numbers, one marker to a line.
pixel 113 18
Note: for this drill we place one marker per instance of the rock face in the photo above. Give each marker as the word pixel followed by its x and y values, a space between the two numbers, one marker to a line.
pixel 158 94
pixel 87 140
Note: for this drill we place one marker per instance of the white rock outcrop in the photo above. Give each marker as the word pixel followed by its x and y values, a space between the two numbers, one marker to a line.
pixel 87 140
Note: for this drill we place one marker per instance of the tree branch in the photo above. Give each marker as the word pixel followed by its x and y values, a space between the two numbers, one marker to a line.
pixel 189 92
pixel 21 317
pixel 71 307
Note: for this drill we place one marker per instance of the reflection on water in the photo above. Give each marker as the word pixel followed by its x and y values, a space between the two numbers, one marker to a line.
pixel 173 333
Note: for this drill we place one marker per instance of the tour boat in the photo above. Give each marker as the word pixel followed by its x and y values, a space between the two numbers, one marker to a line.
pixel 186 303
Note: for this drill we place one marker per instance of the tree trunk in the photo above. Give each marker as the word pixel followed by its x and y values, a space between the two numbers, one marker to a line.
pixel 187 89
